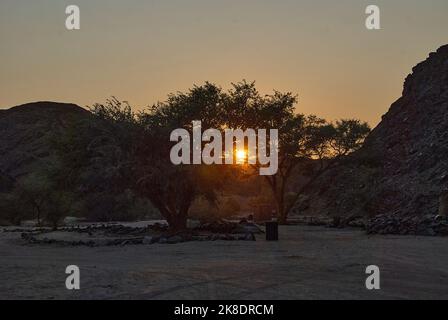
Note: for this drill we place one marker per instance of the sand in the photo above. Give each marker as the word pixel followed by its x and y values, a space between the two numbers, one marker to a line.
pixel 307 263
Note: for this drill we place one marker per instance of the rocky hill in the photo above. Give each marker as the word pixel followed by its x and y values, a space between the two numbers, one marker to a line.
pixel 25 131
pixel 402 169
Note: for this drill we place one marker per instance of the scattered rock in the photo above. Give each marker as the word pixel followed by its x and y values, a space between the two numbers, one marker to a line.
pixel 147 240
pixel 227 227
pixel 119 235
pixel 427 225
pixel 175 239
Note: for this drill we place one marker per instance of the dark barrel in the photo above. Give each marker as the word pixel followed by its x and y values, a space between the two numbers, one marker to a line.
pixel 272 231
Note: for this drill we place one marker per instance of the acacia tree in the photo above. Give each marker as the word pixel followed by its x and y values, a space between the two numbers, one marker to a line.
pixel 327 144
pixel 307 144
pixel 94 160
pixel 173 188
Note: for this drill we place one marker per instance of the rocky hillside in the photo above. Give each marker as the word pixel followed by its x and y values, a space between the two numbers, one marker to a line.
pixel 403 167
pixel 24 136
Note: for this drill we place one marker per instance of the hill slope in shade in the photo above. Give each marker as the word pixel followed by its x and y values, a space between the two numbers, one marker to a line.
pixel 403 167
pixel 24 135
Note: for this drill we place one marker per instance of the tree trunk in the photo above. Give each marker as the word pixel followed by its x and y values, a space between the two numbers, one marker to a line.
pixel 175 217
pixel 179 219
pixel 282 214
pixel 306 186
pixel 178 222
pixel 278 193
pixel 38 216
pixel 283 218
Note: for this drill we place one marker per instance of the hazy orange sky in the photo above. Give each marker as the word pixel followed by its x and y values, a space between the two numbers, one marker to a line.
pixel 141 50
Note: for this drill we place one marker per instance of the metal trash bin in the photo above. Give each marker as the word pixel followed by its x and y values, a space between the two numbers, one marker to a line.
pixel 272 231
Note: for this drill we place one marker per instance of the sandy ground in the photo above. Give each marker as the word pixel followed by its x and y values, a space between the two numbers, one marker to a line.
pixel 307 263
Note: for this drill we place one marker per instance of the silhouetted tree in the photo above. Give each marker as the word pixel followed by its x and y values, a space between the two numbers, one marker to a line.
pixel 96 158
pixel 173 188
pixel 307 144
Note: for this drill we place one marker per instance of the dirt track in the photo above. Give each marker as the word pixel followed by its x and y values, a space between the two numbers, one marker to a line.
pixel 307 263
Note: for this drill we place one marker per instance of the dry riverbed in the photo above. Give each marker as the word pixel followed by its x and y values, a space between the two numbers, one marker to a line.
pixel 307 263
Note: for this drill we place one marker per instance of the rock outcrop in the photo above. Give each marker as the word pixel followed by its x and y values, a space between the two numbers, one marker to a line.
pixel 403 167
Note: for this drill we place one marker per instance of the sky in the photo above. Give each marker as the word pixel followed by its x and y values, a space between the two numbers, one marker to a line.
pixel 142 50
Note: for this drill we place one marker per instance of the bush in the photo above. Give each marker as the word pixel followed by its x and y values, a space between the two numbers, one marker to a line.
pixel 204 210
pixel 122 207
pixel 231 207
pixel 12 210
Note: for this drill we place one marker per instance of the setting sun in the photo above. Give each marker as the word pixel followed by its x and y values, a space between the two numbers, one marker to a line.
pixel 241 156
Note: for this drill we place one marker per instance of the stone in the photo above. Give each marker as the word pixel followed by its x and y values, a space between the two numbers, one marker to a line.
pixel 174 239
pixel 250 237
